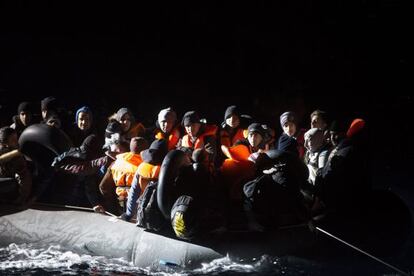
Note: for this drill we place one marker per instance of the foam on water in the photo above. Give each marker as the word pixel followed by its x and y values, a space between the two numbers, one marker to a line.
pixel 28 259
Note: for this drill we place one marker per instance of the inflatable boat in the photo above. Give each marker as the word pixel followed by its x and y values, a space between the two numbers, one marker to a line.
pixel 383 226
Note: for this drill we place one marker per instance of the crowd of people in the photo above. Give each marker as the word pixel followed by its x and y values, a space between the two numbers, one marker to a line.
pixel 245 167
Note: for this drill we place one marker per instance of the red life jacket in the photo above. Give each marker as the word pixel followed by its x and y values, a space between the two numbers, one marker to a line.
pixel 210 130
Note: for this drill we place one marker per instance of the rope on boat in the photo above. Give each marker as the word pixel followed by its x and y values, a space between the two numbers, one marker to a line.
pixel 362 251
pixel 73 207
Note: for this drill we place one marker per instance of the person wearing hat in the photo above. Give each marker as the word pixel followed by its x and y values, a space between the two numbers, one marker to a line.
pixel 166 127
pixel 289 124
pixel 147 171
pixel 24 117
pixel 115 143
pixel 48 105
pixel 231 130
pixel 13 166
pixel 83 125
pixel 317 151
pixel 116 183
pixel 198 134
pixel 130 127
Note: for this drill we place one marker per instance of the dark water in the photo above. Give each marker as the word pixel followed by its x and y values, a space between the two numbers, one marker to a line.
pixel 24 259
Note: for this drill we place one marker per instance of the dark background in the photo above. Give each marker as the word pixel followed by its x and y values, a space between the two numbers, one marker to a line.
pixel 347 57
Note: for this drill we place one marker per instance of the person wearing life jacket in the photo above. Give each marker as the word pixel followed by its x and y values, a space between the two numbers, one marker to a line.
pixel 166 127
pixel 257 141
pixel 289 124
pixel 147 171
pixel 231 129
pixel 24 117
pixel 236 169
pixel 130 127
pixel 199 135
pixel 14 170
pixel 118 178
pixel 83 126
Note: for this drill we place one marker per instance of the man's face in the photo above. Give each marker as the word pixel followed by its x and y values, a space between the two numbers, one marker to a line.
pixel 25 118
pixel 166 125
pixel 254 139
pixel 318 122
pixel 233 121
pixel 192 130
pixel 126 122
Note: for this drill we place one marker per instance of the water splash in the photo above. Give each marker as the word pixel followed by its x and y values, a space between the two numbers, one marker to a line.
pixel 24 258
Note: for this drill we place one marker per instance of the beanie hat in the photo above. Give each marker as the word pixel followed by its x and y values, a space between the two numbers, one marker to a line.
pixel 24 106
pixel 121 112
pixel 230 111
pixel 49 103
pixel 356 126
pixel 167 114
pixel 90 143
pixel 288 116
pixel 84 109
pixel 190 117
pixel 156 152
pixel 258 128
pixel 113 127
pixel 138 144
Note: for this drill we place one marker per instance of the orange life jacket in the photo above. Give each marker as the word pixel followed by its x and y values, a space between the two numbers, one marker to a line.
pixel 227 140
pixel 123 171
pixel 210 130
pixel 172 138
pixel 237 169
pixel 147 172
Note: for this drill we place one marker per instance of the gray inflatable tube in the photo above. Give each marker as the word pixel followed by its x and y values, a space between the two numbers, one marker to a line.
pixel 170 168
pixel 41 143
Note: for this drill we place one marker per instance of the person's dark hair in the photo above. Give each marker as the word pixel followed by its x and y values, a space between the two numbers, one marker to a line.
pixel 5 133
pixel 322 114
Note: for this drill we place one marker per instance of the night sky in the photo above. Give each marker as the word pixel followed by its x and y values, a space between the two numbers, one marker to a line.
pixel 284 55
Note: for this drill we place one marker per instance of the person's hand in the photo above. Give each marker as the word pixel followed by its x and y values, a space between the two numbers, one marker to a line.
pixel 124 217
pixel 99 209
